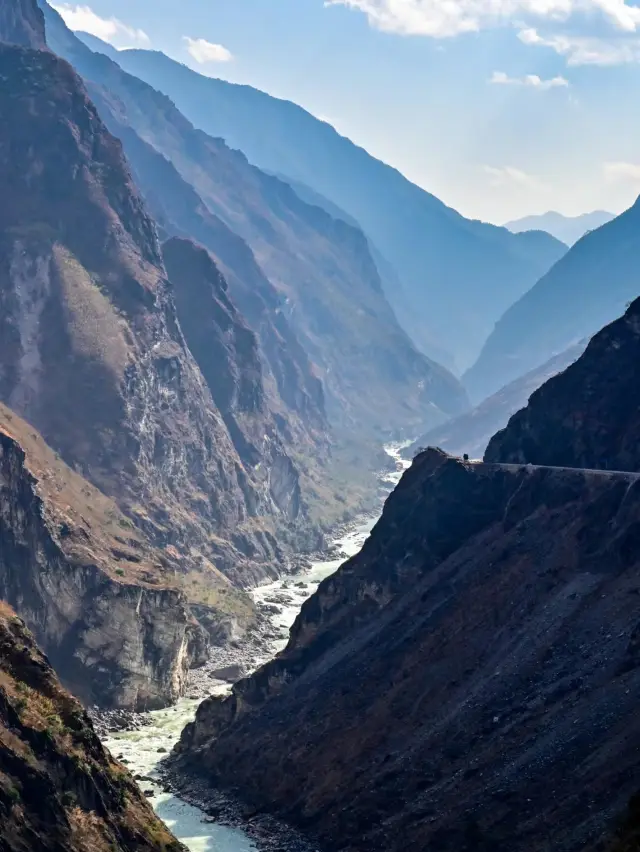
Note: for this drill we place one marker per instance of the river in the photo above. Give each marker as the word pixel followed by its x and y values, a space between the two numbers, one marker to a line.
pixel 143 750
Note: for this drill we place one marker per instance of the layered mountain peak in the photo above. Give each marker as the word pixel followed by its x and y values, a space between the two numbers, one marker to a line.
pixel 587 288
pixel 443 265
pixel 22 23
pixel 325 286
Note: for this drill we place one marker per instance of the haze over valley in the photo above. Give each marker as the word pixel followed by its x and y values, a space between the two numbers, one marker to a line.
pixel 318 484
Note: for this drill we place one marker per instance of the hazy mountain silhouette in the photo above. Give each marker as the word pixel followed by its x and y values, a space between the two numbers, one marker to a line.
pixel 457 275
pixel 589 287
pixel 567 229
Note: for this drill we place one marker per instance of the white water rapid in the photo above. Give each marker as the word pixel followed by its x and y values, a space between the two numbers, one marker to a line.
pixel 142 750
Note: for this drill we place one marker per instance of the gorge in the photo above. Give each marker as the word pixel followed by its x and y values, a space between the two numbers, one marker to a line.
pixel 273 576
pixel 144 748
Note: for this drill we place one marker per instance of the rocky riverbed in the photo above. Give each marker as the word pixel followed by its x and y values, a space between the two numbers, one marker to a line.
pixel 207 820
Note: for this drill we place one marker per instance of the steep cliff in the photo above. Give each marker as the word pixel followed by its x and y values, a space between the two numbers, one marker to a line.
pixel 588 416
pixel 590 286
pixel 59 788
pixel 22 22
pixel 227 353
pixel 328 286
pixel 179 211
pixel 88 326
pixel 103 604
pixel 471 432
pixel 468 681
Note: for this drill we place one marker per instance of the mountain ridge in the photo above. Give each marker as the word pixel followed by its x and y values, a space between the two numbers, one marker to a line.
pixel 422 238
pixel 471 432
pixel 567 229
pixel 586 289
pixel 341 305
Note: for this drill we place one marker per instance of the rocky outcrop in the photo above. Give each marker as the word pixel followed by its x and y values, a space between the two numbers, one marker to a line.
pixel 180 212
pixel 471 432
pixel 467 681
pixel 587 416
pixel 59 788
pixel 228 355
pixel 22 22
pixel 102 603
pixel 328 286
pixel 588 287
pixel 87 314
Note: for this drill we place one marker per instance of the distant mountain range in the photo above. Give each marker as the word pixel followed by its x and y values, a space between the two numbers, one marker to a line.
pixel 456 276
pixel 590 286
pixel 567 229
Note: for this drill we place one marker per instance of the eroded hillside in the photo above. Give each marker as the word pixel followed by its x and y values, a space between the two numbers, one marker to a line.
pixel 59 788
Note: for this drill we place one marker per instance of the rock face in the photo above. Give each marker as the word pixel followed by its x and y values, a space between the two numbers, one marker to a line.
pixel 180 212
pixel 448 266
pixel 99 599
pixel 22 22
pixel 227 353
pixel 328 286
pixel 590 286
pixel 468 681
pixel 87 314
pixel 587 416
pixel 59 788
pixel 471 432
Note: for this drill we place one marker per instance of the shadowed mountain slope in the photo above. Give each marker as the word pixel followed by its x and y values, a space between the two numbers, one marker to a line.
pixel 468 681
pixel 471 432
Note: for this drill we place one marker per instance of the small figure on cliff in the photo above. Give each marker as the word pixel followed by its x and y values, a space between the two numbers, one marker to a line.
pixel 465 457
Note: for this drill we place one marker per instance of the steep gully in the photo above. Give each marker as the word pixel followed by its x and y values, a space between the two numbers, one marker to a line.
pixel 143 749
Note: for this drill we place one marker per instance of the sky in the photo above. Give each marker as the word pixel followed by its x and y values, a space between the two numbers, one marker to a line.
pixel 501 108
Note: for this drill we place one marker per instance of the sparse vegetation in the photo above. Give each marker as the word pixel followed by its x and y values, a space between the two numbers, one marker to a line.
pixel 52 739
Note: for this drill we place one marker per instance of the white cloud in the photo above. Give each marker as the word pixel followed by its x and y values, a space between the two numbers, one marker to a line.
pixel 84 19
pixel 615 172
pixel 204 51
pixel 586 50
pixel 506 175
pixel 445 18
pixel 531 81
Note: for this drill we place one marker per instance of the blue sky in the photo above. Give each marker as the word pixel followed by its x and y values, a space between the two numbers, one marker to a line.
pixel 500 107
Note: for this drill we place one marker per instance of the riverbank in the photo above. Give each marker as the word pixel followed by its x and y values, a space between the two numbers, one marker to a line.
pixel 205 819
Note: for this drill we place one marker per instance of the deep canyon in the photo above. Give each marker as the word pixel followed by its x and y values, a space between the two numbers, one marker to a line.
pixel 144 748
pixel 275 574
